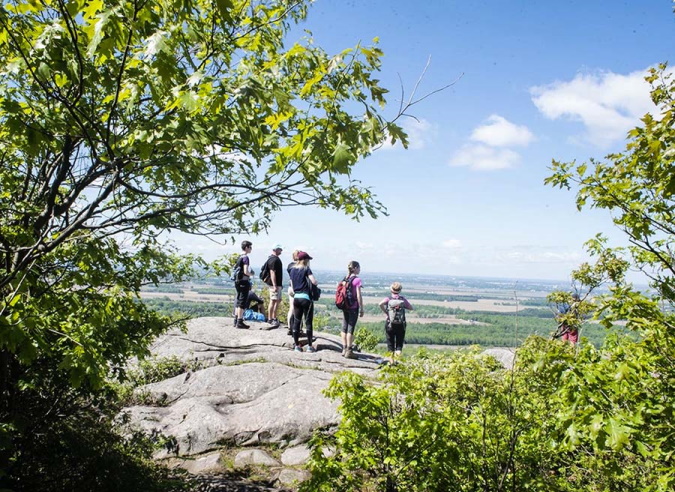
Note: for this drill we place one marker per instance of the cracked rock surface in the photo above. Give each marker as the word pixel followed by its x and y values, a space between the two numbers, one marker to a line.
pixel 253 388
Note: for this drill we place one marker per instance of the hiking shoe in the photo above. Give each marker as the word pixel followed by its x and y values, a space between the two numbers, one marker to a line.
pixel 297 348
pixel 349 354
pixel 240 324
pixel 311 349
pixel 290 332
pixel 397 353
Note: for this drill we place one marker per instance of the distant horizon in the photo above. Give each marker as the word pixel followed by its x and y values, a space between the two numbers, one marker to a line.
pixel 443 275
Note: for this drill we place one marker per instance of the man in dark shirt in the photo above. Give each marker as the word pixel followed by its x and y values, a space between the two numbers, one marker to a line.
pixel 275 283
pixel 242 284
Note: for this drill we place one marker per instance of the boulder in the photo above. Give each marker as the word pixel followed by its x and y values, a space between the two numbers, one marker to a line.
pixel 209 463
pixel 254 457
pixel 505 356
pixel 252 388
pixel 297 455
pixel 291 476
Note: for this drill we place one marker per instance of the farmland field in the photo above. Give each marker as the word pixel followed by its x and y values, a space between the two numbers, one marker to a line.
pixel 448 311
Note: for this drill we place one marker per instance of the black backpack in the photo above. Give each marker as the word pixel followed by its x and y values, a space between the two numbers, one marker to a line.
pixel 237 271
pixel 314 291
pixel 265 275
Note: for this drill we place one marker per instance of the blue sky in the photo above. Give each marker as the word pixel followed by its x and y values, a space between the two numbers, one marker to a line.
pixel 534 81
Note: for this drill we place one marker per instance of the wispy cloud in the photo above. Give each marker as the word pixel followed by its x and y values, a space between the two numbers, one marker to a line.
pixel 483 158
pixel 452 243
pixel 420 134
pixel 606 103
pixel 488 149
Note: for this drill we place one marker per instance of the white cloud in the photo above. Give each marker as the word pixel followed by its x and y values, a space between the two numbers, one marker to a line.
pixel 499 132
pixel 420 133
pixel 607 104
pixel 489 152
pixel 362 245
pixel 484 158
pixel 541 257
pixel 452 243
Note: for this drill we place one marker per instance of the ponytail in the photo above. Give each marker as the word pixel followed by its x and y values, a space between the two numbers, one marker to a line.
pixel 353 265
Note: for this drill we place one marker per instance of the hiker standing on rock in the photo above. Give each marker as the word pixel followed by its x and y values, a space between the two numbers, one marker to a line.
pixel 303 307
pixel 242 283
pixel 395 307
pixel 354 308
pixel 274 281
pixel 294 257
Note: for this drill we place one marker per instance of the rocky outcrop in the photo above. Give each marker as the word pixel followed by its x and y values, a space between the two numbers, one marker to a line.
pixel 252 388
pixel 250 394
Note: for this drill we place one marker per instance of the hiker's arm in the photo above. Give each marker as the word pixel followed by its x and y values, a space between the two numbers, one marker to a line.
pixel 312 279
pixel 407 305
pixel 360 298
pixel 383 305
pixel 273 278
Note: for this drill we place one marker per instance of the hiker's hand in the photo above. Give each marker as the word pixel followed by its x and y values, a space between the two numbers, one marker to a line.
pixel 361 314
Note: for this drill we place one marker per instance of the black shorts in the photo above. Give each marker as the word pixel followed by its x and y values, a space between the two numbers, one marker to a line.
pixel 351 316
pixel 242 287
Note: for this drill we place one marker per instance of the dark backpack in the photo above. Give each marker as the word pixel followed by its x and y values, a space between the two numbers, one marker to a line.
pixel 237 271
pixel 344 297
pixel 265 275
pixel 314 291
pixel 396 312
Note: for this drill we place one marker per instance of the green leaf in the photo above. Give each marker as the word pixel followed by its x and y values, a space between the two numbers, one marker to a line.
pixel 342 159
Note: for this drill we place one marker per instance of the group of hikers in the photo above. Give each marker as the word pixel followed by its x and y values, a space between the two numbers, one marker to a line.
pixel 303 291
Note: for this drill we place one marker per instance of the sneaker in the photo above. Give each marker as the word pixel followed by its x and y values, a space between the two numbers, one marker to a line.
pixel 297 348
pixel 240 324
pixel 275 322
pixel 311 350
pixel 397 354
pixel 349 354
pixel 290 332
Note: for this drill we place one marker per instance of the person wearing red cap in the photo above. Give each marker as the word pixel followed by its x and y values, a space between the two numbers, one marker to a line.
pixel 303 307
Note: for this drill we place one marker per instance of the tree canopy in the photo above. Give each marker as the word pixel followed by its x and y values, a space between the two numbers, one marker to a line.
pixel 123 120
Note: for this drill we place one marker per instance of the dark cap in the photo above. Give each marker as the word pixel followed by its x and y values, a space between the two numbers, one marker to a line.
pixel 304 256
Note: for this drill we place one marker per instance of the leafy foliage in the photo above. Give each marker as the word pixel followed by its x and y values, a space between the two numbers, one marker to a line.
pixel 365 339
pixel 564 418
pixel 122 121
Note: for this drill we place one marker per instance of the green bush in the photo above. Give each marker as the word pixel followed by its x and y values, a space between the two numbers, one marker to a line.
pixel 459 422
pixel 67 439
